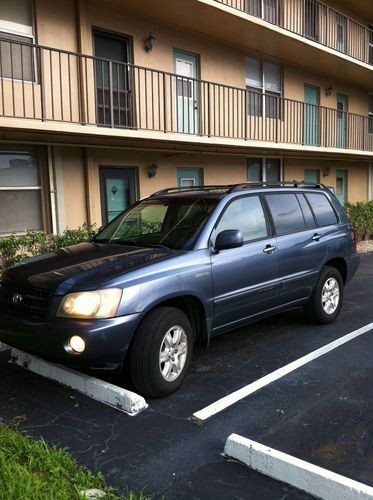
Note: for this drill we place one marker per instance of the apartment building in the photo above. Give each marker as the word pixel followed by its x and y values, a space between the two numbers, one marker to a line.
pixel 103 102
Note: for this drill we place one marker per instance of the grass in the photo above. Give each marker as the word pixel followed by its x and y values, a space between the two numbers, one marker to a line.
pixel 32 470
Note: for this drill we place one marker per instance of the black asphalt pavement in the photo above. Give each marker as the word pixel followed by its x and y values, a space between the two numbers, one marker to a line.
pixel 321 412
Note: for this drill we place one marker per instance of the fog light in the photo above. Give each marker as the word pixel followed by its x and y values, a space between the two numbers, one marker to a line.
pixel 77 344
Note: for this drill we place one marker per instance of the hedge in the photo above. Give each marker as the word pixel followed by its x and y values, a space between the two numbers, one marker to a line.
pixel 360 215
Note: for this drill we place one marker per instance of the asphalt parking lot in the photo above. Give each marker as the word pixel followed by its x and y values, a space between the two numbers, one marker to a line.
pixel 320 412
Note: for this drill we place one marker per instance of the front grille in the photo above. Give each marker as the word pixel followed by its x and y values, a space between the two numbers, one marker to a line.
pixel 25 301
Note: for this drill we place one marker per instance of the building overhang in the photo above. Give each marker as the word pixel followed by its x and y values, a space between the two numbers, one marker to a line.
pixel 221 22
pixel 54 133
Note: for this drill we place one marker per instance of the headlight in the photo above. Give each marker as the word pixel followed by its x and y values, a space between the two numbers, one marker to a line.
pixel 95 304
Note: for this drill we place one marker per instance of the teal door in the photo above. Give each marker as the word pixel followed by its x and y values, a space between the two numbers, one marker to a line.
pixel 312 176
pixel 117 191
pixel 342 107
pixel 187 105
pixel 189 177
pixel 341 186
pixel 311 115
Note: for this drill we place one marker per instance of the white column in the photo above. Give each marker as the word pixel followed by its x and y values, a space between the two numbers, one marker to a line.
pixel 56 189
pixel 370 181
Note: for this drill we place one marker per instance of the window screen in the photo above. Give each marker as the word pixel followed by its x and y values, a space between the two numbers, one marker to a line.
pixel 254 169
pixel 286 213
pixel 263 83
pixel 273 169
pixel 16 26
pixel 324 213
pixel 20 193
pixel 245 214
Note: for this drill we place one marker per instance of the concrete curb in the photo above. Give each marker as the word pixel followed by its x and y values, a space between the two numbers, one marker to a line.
pixel 310 478
pixel 104 392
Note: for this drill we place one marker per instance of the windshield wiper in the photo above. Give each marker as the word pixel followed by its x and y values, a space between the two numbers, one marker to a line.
pixel 136 243
pixel 155 245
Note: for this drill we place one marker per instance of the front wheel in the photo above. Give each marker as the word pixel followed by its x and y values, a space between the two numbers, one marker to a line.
pixel 161 352
pixel 327 298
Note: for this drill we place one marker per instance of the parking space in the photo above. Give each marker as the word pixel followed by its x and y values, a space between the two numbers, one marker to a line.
pixel 319 413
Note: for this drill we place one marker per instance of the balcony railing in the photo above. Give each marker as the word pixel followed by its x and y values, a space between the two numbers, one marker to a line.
pixel 315 21
pixel 40 83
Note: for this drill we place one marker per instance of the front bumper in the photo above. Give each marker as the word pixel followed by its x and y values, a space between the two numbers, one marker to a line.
pixel 107 341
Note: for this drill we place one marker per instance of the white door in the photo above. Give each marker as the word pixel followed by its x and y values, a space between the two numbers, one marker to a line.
pixel 187 113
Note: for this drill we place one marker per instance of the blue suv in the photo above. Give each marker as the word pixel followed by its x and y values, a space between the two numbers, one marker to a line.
pixel 179 266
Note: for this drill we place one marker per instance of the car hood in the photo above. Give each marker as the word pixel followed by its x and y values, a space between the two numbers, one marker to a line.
pixel 85 266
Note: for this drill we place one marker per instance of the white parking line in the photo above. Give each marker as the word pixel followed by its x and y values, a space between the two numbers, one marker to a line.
pixel 109 394
pixel 245 391
pixel 321 483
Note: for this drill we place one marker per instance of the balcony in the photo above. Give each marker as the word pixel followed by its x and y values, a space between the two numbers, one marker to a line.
pixel 314 21
pixel 40 85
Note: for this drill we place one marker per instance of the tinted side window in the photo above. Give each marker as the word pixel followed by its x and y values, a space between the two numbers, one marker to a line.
pixel 286 213
pixel 308 217
pixel 245 214
pixel 324 213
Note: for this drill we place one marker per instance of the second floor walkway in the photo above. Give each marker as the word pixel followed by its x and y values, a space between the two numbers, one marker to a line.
pixel 46 85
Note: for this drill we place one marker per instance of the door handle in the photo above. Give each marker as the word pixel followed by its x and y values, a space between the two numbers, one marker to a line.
pixel 317 237
pixel 269 249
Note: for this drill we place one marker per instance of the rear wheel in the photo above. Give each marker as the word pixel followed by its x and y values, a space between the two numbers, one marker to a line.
pixel 161 352
pixel 326 301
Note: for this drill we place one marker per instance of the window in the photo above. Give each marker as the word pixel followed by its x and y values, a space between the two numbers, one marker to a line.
pixel 324 213
pixel 264 169
pixel 311 19
pixel 341 32
pixel 16 26
pixel 307 214
pixel 312 175
pixel 286 213
pixel 20 192
pixel 263 83
pixel 266 9
pixel 370 115
pixel 245 214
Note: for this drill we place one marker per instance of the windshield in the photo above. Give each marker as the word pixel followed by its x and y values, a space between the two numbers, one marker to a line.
pixel 171 222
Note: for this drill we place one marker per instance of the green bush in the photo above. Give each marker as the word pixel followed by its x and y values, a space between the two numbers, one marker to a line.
pixel 360 215
pixel 15 248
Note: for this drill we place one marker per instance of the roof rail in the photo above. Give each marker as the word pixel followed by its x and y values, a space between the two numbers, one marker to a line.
pixel 218 187
pixel 270 184
pixel 231 188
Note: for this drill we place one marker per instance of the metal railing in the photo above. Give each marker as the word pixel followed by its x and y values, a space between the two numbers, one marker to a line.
pixel 313 20
pixel 41 83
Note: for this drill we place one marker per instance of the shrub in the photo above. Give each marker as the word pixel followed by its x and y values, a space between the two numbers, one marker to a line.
pixel 360 215
pixel 15 248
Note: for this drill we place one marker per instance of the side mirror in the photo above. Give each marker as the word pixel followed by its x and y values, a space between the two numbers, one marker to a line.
pixel 230 238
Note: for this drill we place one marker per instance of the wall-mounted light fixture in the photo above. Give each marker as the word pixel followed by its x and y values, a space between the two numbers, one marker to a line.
pixel 328 90
pixel 149 43
pixel 326 171
pixel 152 170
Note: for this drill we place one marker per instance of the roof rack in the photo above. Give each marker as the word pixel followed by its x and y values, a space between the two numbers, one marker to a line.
pixel 232 188
pixel 270 184
pixel 216 188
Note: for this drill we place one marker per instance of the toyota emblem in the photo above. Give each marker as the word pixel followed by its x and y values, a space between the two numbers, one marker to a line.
pixel 17 298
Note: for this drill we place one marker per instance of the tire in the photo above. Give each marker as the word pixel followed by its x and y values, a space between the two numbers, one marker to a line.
pixel 155 336
pixel 325 311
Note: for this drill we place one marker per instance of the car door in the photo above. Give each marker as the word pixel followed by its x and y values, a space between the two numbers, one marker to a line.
pixel 245 279
pixel 301 248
